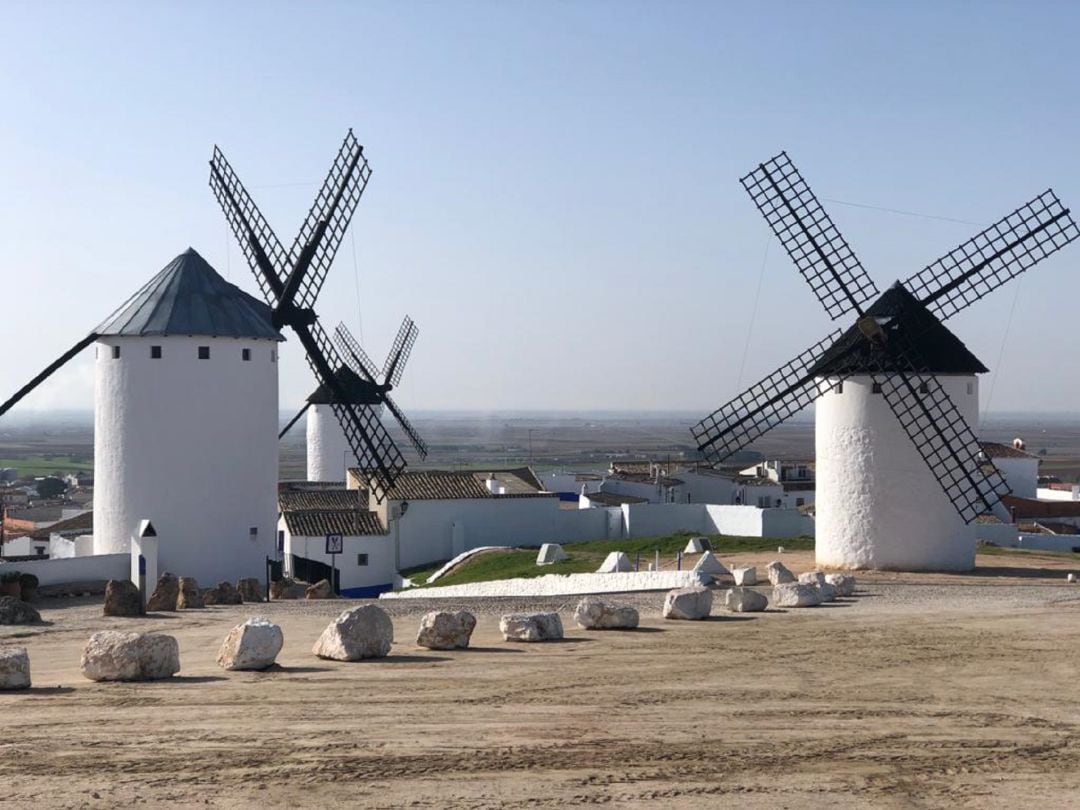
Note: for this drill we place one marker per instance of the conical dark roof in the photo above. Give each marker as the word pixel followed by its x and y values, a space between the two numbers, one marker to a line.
pixel 361 392
pixel 189 297
pixel 898 310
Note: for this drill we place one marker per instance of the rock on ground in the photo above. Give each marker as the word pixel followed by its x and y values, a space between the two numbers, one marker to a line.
pixel 826 592
pixel 708 564
pixel 844 583
pixel 15 611
pixel 531 627
pixel 223 594
pixel 254 644
pixel 446 630
pixel 744 600
pixel 596 614
pixel 113 656
pixel 190 596
pixel 688 603
pixel 550 553
pixel 361 632
pixel 250 589
pixel 165 594
pixel 320 590
pixel 796 594
pixel 812 578
pixel 615 562
pixel 14 668
pixel 123 598
pixel 778 573
pixel 744 576
pixel 288 589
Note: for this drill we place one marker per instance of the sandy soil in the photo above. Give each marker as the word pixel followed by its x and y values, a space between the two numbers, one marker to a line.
pixel 920 692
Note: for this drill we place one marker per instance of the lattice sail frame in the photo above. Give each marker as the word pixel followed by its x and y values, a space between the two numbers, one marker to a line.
pixel 337 200
pixel 1010 246
pixel 764 405
pixel 362 364
pixel 399 353
pixel 822 256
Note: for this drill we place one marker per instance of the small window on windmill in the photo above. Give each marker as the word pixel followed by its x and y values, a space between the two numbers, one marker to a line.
pixel 245 355
pixel 924 388
pixel 204 352
pixel 840 387
pixel 253 533
pixel 970 388
pixel 273 356
pixel 115 352
pixel 876 388
pixel 155 352
pixel 361 559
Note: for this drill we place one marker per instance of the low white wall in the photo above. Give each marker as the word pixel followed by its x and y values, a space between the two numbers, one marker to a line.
pixel 1000 534
pixel 648 519
pixel 1048 542
pixel 562 585
pixel 75 569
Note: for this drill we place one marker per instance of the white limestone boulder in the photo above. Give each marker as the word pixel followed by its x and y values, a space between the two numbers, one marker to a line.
pixel 615 562
pixel 708 564
pixel 826 591
pixel 254 644
pixel 14 668
pixel 593 613
pixel 812 578
pixel 114 656
pixel 744 576
pixel 358 633
pixel 778 573
pixel 531 627
pixel 688 603
pixel 844 583
pixel 744 600
pixel 697 545
pixel 446 630
pixel 795 594
pixel 550 553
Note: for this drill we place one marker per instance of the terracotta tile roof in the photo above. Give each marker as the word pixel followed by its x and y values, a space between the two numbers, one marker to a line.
pixel 321 522
pixel 517 480
pixel 998 450
pixel 433 485
pixel 1029 508
pixel 798 486
pixel 308 500
pixel 80 524
pixel 613 498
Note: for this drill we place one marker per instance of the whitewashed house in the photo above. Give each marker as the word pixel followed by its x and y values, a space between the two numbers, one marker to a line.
pixel 1019 468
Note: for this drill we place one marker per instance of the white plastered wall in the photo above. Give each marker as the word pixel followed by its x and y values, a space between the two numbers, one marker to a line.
pixel 191 445
pixel 878 505
pixel 328 452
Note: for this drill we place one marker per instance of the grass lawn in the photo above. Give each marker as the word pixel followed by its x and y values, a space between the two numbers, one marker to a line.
pixel 586 557
pixel 46 465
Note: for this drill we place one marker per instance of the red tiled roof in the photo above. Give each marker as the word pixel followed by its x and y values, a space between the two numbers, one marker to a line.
pixel 321 522
pixel 998 450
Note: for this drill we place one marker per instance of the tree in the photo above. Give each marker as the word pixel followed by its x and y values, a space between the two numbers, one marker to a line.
pixel 51 487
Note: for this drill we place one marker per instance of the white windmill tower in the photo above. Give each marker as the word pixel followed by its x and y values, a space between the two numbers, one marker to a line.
pixel 328 453
pixel 185 423
pixel 900 474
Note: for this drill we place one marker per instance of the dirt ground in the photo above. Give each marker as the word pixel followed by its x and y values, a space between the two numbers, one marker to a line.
pixel 926 691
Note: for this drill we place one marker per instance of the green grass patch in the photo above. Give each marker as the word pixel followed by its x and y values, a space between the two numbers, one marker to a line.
pixel 586 557
pixel 998 551
pixel 46 465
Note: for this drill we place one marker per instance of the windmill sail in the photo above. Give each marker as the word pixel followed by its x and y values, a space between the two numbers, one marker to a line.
pixel 763 405
pixel 820 253
pixel 994 257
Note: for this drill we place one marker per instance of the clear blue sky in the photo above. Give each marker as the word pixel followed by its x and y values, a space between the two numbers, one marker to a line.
pixel 555 197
